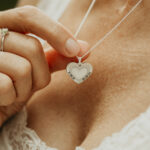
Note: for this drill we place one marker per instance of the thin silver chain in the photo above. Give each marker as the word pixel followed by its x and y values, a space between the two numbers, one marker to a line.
pixel 108 33
pixel 84 18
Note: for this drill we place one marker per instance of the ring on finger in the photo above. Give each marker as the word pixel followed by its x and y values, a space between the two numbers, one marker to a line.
pixel 4 32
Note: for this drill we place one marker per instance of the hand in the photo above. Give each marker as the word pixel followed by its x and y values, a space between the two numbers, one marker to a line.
pixel 23 65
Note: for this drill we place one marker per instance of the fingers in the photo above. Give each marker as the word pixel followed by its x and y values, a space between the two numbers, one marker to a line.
pixel 31 20
pixel 20 71
pixel 58 62
pixel 7 90
pixel 31 49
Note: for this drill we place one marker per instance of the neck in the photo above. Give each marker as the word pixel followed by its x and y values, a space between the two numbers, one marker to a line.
pixel 118 4
pixel 118 9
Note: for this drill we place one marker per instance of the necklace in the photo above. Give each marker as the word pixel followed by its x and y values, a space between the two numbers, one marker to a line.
pixel 79 72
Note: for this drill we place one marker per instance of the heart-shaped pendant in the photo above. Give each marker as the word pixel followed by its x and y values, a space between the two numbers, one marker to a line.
pixel 79 72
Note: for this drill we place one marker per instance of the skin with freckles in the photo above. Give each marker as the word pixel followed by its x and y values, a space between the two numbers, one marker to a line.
pixel 64 114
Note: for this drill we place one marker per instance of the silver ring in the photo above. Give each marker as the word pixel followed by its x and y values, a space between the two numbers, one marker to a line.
pixel 4 32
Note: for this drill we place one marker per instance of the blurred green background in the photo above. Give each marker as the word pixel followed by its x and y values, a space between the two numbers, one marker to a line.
pixel 7 4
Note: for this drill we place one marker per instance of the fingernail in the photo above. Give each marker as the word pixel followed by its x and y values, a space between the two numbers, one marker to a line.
pixel 72 47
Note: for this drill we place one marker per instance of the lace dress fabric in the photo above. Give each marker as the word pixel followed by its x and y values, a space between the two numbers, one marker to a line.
pixel 135 136
pixel 15 135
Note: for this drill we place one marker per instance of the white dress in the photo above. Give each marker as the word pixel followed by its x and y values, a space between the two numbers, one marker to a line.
pixel 17 136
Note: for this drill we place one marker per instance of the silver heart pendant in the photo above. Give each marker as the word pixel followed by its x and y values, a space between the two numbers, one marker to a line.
pixel 79 72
